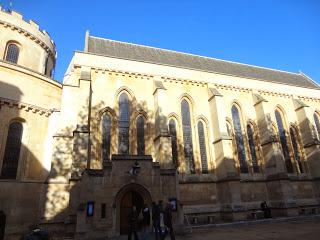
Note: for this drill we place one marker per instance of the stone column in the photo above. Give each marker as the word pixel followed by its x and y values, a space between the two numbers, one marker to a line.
pixel 162 140
pixel 228 185
pixel 310 142
pixel 225 163
pixel 272 154
pixel 279 189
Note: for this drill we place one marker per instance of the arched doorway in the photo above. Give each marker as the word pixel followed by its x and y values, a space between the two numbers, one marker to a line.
pixel 2 224
pixel 131 198
pixel 129 195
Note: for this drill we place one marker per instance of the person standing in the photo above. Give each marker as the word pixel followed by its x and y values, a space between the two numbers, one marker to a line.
pixel 133 223
pixel 156 220
pixel 168 220
pixel 145 221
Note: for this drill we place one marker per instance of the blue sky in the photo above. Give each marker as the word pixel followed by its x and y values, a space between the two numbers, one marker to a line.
pixel 280 34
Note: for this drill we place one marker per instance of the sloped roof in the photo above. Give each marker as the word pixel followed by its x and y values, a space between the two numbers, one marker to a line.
pixel 141 53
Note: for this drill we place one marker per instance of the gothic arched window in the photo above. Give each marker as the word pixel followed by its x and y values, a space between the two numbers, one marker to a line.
pixel 252 147
pixel 283 141
pixel 12 151
pixel 239 139
pixel 295 145
pixel 174 144
pixel 124 122
pixel 140 135
pixel 203 149
pixel 12 53
pixel 317 123
pixel 187 136
pixel 106 136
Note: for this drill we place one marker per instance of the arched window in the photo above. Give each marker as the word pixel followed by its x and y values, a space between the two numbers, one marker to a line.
pixel 12 53
pixel 203 149
pixel 174 144
pixel 187 136
pixel 239 139
pixel 106 137
pixel 252 147
pixel 140 135
pixel 317 123
pixel 124 122
pixel 283 141
pixel 295 145
pixel 12 151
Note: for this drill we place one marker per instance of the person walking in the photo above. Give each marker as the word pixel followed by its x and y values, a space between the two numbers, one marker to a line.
pixel 168 220
pixel 145 221
pixel 133 223
pixel 156 220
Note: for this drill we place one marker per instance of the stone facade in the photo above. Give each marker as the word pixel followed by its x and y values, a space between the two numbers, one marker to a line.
pixel 65 170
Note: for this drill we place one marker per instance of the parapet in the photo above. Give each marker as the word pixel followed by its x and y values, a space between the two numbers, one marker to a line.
pixel 31 29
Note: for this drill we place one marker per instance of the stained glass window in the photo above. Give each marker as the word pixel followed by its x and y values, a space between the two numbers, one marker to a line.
pixel 174 144
pixel 203 150
pixel 140 135
pixel 12 151
pixel 187 136
pixel 283 141
pixel 106 137
pixel 124 122
pixel 296 152
pixel 252 147
pixel 12 53
pixel 239 139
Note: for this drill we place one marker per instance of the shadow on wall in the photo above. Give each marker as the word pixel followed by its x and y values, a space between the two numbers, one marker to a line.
pixel 22 174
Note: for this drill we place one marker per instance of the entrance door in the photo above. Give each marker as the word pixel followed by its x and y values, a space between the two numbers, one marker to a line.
pixel 131 198
pixel 2 224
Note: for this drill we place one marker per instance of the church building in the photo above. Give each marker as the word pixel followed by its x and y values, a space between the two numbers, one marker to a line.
pixel 132 124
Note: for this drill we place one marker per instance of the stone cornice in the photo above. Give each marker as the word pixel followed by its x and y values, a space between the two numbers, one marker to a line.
pixel 31 37
pixel 28 71
pixel 198 83
pixel 25 106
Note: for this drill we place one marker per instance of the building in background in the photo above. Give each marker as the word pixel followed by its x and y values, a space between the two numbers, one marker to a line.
pixel 132 124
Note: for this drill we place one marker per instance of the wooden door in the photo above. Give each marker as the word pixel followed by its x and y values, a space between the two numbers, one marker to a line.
pixel 130 199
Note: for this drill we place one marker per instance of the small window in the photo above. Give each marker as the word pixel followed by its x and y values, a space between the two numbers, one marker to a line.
pixel 12 151
pixel 252 147
pixel 203 150
pixel 317 123
pixel 140 135
pixel 239 139
pixel 187 136
pixel 12 54
pixel 283 141
pixel 174 144
pixel 103 210
pixel 124 122
pixel 296 151
pixel 106 137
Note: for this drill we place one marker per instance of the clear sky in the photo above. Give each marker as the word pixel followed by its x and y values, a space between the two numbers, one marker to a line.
pixel 280 34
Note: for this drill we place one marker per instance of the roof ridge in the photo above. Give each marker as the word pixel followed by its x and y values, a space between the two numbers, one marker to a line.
pixel 191 54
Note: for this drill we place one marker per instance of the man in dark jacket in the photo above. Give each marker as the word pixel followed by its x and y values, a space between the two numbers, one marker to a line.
pixel 133 223
pixel 168 219
pixel 156 220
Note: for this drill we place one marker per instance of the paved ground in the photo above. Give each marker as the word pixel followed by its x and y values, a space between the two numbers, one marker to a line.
pixel 299 230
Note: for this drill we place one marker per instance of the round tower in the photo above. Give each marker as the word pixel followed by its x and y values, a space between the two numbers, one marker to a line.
pixel 24 44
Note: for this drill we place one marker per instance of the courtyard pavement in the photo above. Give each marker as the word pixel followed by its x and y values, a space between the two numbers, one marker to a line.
pixel 295 230
pixel 301 228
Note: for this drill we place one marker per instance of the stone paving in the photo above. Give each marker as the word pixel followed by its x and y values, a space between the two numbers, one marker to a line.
pixel 286 229
pixel 300 230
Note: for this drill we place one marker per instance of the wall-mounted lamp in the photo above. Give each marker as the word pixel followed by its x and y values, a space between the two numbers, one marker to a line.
pixel 135 169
